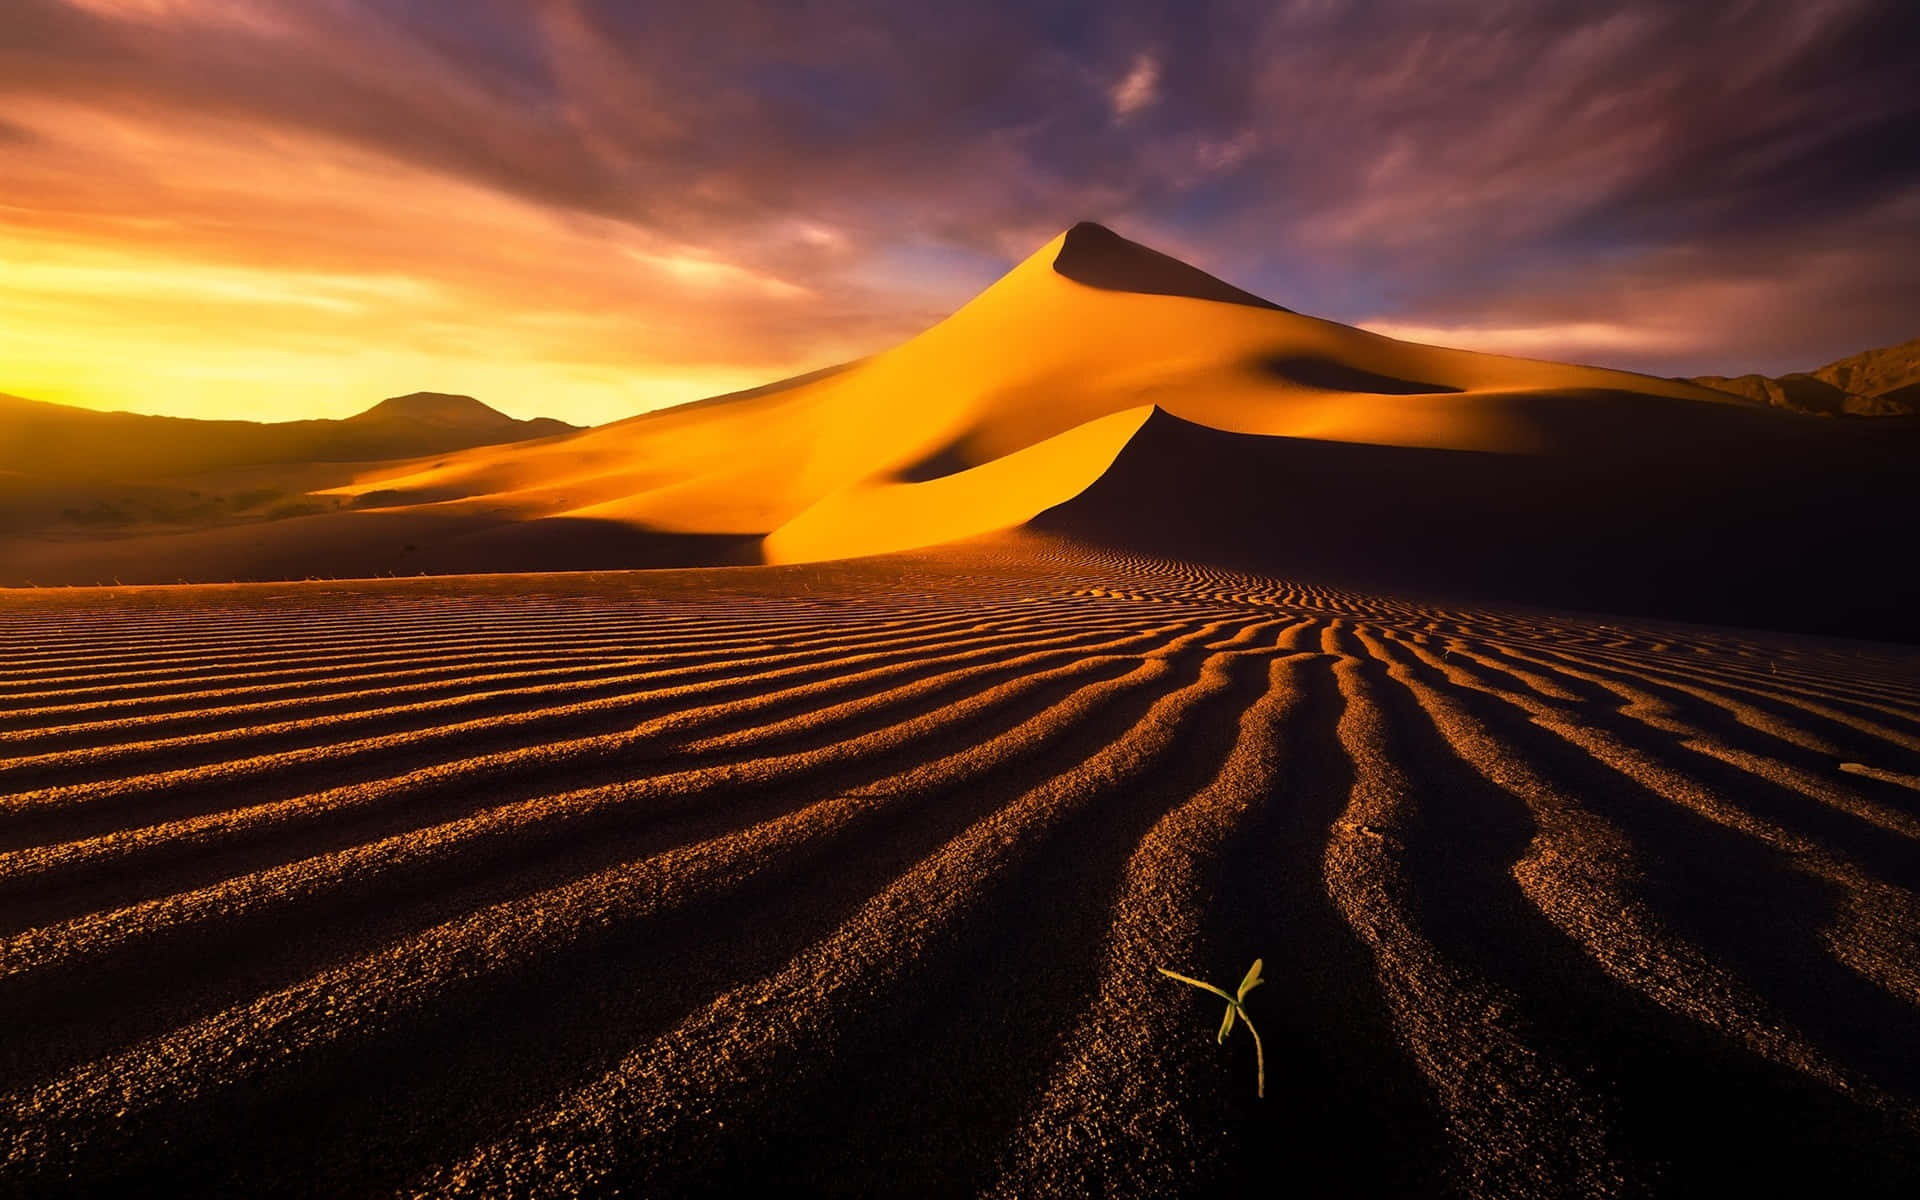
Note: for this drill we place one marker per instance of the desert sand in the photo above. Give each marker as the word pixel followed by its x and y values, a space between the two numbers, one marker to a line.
pixel 854 876
pixel 1122 621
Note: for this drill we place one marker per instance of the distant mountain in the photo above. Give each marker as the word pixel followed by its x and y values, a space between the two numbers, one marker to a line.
pixel 58 441
pixel 440 410
pixel 1874 383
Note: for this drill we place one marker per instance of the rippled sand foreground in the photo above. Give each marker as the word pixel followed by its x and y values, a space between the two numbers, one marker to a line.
pixel 853 877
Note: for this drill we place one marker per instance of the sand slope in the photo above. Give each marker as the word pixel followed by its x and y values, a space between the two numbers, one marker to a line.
pixel 1386 462
pixel 1727 516
pixel 854 875
pixel 1088 327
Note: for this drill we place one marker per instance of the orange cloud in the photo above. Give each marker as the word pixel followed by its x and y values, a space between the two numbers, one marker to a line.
pixel 212 266
pixel 583 207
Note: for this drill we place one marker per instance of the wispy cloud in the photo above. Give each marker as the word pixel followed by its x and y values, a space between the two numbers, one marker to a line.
pixel 1573 340
pixel 1139 89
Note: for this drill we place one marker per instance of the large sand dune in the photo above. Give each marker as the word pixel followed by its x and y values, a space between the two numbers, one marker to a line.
pixel 1388 462
pixel 1088 329
pixel 853 876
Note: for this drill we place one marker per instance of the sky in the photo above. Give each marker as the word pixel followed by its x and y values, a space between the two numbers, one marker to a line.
pixel 274 209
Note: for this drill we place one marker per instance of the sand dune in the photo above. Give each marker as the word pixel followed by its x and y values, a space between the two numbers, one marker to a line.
pixel 854 875
pixel 1110 391
pixel 1089 327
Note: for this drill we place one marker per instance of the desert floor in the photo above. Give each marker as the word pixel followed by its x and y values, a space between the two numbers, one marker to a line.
pixel 853 877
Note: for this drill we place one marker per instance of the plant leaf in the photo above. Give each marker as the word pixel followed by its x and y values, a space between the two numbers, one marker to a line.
pixel 1234 1009
pixel 1252 980
pixel 1196 983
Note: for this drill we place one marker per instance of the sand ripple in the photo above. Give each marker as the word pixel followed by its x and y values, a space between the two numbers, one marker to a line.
pixel 853 878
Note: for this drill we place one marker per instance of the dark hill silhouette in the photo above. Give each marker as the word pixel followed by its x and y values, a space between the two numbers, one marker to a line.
pixel 59 441
pixel 1873 383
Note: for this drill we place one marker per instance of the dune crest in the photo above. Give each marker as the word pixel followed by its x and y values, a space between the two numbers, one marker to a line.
pixel 1100 258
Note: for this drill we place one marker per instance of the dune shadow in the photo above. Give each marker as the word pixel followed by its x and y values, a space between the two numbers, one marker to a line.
pixel 1308 371
pixel 1100 258
pixel 404 497
pixel 365 543
pixel 585 544
pixel 1783 523
pixel 950 459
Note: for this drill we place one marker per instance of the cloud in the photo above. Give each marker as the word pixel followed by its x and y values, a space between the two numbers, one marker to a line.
pixel 1572 340
pixel 1139 89
pixel 1724 305
pixel 634 198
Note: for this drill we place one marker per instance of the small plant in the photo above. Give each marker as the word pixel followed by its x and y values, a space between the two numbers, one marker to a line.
pixel 1236 1006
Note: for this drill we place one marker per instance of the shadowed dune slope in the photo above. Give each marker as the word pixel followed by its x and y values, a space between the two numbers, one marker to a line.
pixel 854 875
pixel 1098 257
pixel 1720 519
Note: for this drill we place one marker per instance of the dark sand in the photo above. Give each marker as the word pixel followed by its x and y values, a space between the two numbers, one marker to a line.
pixel 852 878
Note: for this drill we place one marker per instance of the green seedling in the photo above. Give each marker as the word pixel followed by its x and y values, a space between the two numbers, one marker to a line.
pixel 1236 1006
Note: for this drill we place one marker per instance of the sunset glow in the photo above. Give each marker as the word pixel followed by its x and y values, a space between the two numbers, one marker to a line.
pixel 195 269
pixel 270 209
